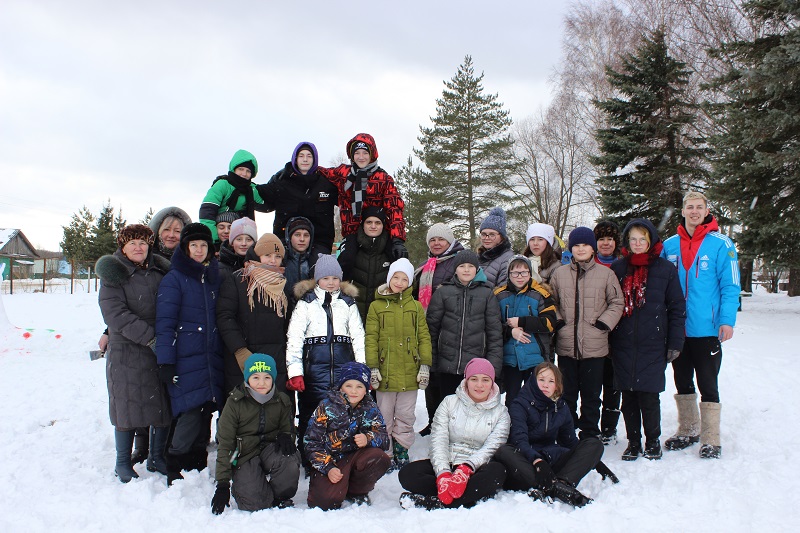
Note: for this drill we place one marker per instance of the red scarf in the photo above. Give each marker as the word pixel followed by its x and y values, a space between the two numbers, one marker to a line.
pixel 691 243
pixel 634 284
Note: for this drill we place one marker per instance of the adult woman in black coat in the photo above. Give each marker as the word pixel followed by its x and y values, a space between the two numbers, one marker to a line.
pixel 649 335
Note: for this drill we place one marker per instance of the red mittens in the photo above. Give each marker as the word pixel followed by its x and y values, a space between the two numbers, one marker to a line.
pixel 443 487
pixel 458 483
pixel 296 384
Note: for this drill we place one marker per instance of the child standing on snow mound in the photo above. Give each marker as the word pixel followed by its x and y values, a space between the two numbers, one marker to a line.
pixel 325 332
pixel 363 184
pixel 589 304
pixel 346 442
pixel 464 322
pixel 234 191
pixel 256 445
pixel 398 348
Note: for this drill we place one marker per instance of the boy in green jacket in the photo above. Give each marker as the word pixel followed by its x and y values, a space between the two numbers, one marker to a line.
pixel 398 352
pixel 256 443
pixel 234 191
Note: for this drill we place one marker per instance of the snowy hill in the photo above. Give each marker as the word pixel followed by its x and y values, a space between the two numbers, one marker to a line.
pixel 57 449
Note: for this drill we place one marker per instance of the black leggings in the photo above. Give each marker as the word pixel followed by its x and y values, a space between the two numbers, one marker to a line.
pixel 418 477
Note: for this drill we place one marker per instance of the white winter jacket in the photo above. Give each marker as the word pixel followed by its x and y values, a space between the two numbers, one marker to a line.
pixel 467 432
pixel 309 320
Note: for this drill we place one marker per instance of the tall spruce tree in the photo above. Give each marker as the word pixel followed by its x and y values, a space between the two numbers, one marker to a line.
pixel 412 182
pixel 648 156
pixel 104 236
pixel 467 151
pixel 757 168
pixel 77 240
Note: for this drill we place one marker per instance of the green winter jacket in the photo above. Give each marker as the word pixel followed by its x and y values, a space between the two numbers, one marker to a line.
pixel 215 202
pixel 397 340
pixel 249 426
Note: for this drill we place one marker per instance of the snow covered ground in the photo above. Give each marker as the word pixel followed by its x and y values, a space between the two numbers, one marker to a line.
pixel 57 450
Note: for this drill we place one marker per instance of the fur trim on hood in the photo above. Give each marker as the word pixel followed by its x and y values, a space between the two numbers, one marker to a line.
pixel 117 268
pixel 302 287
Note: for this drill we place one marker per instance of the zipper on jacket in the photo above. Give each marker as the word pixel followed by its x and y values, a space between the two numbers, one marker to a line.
pixel 577 310
pixel 461 337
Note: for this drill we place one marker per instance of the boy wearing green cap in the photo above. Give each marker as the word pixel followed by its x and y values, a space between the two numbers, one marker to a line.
pixel 234 191
pixel 256 443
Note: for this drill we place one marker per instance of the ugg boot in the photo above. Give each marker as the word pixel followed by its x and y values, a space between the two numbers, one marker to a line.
pixel 688 423
pixel 156 462
pixel 123 441
pixel 140 446
pixel 709 430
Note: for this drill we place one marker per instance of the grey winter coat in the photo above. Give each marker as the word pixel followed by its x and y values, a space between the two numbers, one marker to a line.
pixel 127 297
pixel 465 323
pixel 589 304
pixel 494 263
pixel 467 432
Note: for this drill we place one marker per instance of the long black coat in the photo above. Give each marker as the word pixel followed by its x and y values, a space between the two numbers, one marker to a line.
pixel 640 341
pixel 127 297
pixel 260 330
pixel 370 267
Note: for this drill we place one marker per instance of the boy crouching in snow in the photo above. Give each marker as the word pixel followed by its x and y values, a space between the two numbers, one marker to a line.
pixel 256 443
pixel 345 442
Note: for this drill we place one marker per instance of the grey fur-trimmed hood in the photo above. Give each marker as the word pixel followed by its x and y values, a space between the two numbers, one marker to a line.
pixel 302 287
pixel 116 268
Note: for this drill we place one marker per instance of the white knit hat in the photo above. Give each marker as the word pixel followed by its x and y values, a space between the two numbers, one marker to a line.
pixel 401 265
pixel 545 231
pixel 440 230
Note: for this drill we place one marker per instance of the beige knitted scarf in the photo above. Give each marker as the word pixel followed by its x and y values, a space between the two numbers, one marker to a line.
pixel 265 284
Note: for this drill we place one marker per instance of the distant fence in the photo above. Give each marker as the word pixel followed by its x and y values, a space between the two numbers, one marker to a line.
pixel 55 285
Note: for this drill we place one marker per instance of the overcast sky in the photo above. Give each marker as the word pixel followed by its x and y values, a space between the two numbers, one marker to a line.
pixel 145 102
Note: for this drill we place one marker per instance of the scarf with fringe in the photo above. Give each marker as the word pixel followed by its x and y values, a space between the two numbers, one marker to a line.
pixel 426 275
pixel 265 284
pixel 634 285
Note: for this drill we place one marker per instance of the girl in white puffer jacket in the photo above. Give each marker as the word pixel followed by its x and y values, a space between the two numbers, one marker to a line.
pixel 467 430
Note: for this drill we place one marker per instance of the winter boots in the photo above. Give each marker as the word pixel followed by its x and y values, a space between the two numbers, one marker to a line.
pixel 123 442
pixel 140 446
pixel 409 500
pixel 709 430
pixel 156 462
pixel 652 450
pixel 567 493
pixel 399 456
pixel 688 423
pixel 608 436
pixel 633 451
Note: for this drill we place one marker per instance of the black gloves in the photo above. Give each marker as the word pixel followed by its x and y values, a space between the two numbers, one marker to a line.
pixel 168 374
pixel 599 324
pixel 399 249
pixel 672 355
pixel 559 324
pixel 285 444
pixel 545 477
pixel 606 472
pixel 222 497
pixel 348 249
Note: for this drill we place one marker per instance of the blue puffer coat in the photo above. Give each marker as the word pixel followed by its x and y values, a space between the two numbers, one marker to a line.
pixel 540 427
pixel 642 337
pixel 186 332
pixel 536 311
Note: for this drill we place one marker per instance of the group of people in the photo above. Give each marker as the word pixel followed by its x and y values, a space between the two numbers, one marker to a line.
pixel 314 361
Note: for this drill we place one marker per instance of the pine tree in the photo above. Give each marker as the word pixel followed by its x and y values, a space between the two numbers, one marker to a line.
pixel 147 217
pixel 467 151
pixel 77 240
pixel 104 238
pixel 757 168
pixel 648 157
pixel 411 182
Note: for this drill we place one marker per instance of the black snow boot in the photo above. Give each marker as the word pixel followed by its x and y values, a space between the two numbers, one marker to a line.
pixel 409 500
pixel 123 441
pixel 564 491
pixel 173 468
pixel 141 446
pixel 358 499
pixel 156 461
pixel 633 451
pixel 652 450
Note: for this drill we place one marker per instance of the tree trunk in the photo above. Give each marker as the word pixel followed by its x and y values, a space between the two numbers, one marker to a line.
pixel 794 282
pixel 746 274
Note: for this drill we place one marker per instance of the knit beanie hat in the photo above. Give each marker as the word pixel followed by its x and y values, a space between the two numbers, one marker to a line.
pixel 582 235
pixel 373 211
pixel 227 216
pixel 401 265
pixel 440 230
pixel 260 362
pixel 135 231
pixel 297 223
pixel 466 256
pixel 243 226
pixel 364 141
pixel 269 244
pixel 353 370
pixel 327 265
pixel 545 231
pixel 607 228
pixel 496 220
pixel 478 365
pixel 196 231
pixel 243 158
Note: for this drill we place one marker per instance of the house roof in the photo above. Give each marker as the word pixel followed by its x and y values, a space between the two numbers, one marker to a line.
pixel 8 234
